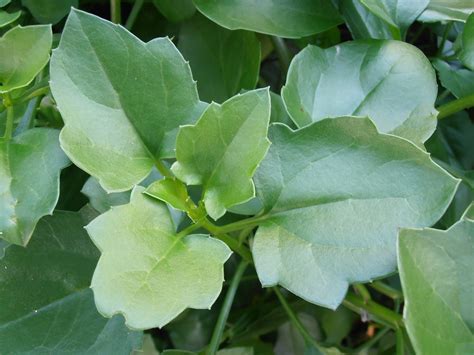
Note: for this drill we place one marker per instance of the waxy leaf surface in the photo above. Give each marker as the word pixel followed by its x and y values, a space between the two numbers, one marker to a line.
pixel 122 100
pixel 146 271
pixel 467 52
pixel 335 194
pixel 284 18
pixel 447 10
pixel 8 17
pixel 391 82
pixel 25 51
pixel 436 273
pixel 223 62
pixel 30 164
pixel 47 307
pixel 459 81
pixel 223 149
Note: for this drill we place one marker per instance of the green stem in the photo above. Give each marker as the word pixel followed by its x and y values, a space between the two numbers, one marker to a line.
pixel 188 230
pixel 31 95
pixel 225 310
pixel 295 320
pixel 400 344
pixel 163 169
pixel 386 290
pixel 443 40
pixel 283 55
pixel 137 6
pixel 115 11
pixel 381 313
pixel 9 124
pixel 455 106
pixel 362 291
pixel 243 224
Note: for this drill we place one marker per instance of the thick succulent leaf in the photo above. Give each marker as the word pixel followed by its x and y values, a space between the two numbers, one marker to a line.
pixel 391 82
pixel 47 11
pixel 47 306
pixel 284 18
pixel 223 62
pixel 336 193
pixel 460 82
pixel 447 10
pixel 436 273
pixel 149 273
pixel 362 23
pixel 7 18
pixel 176 10
pixel 223 149
pixel 122 100
pixel 29 181
pixel 28 52
pixel 398 14
pixel 467 52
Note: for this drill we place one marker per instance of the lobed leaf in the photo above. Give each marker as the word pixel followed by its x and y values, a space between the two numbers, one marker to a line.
pixel 335 194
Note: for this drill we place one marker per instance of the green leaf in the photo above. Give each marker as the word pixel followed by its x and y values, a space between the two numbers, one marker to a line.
pixel 236 351
pixel 285 18
pixel 4 2
pixel 47 306
pixel 100 199
pixel 149 273
pixel 7 18
pixel 361 22
pixel 223 62
pixel 460 82
pixel 122 100
pixel 447 10
pixel 335 194
pixel 436 273
pixel 47 11
pixel 467 52
pixel 29 181
pixel 175 10
pixel 223 149
pixel 278 113
pixel 172 191
pixel 398 14
pixel 28 52
pixel 391 82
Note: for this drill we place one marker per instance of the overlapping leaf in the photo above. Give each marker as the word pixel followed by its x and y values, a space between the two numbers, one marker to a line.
pixel 436 272
pixel 460 82
pixel 223 149
pixel 447 10
pixel 149 273
pixel 467 52
pixel 29 181
pixel 46 11
pixel 47 306
pixel 122 100
pixel 391 82
pixel 336 193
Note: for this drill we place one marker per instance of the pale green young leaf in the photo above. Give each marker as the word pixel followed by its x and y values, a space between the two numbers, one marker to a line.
pixel 7 18
pixel 149 273
pixel 47 11
pixel 223 149
pixel 122 100
pixel 284 18
pixel 223 62
pixel 335 194
pixel 467 52
pixel 29 181
pixel 447 10
pixel 176 10
pixel 171 191
pixel 460 82
pixel 438 283
pixel 47 307
pixel 28 52
pixel 391 82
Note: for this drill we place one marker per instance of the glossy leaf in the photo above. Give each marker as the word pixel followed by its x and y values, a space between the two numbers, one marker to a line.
pixel 7 18
pixel 47 306
pixel 29 181
pixel 447 10
pixel 223 149
pixel 118 122
pixel 460 82
pixel 284 18
pixel 436 272
pixel 223 62
pixel 47 11
pixel 335 194
pixel 467 52
pixel 4 2
pixel 28 52
pixel 391 82
pixel 149 273
pixel 176 10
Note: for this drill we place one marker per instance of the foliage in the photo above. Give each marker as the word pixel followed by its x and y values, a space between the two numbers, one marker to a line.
pixel 236 177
